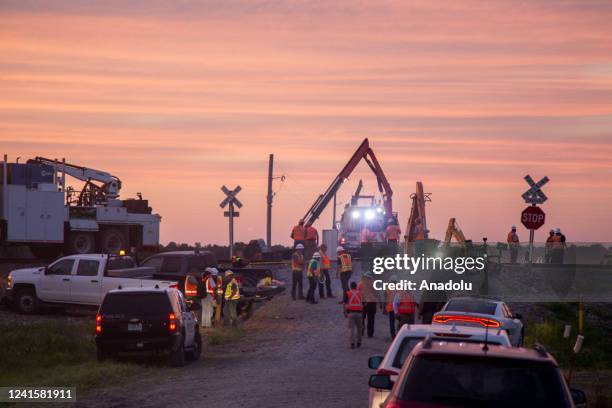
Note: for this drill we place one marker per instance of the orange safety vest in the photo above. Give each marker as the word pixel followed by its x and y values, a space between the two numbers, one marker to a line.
pixel 389 295
pixel 512 238
pixel 297 264
pixel 393 232
pixel 311 234
pixel 355 301
pixel 406 306
pixel 346 263
pixel 209 287
pixel 325 262
pixel 298 233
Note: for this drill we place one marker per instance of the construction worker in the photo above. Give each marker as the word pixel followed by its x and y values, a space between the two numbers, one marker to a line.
pixel 313 271
pixel 549 246
pixel 311 241
pixel 558 247
pixel 513 244
pixel 232 296
pixel 370 300
pixel 404 308
pixel 418 235
pixel 218 295
pixel 208 299
pixel 389 297
pixel 353 310
pixel 392 232
pixel 297 270
pixel 298 233
pixel 344 270
pixel 325 267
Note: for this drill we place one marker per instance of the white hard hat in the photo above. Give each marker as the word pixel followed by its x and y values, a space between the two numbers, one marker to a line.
pixel 229 272
pixel 213 271
pixel 514 227
pixel 299 246
pixel 557 230
pixel 340 249
pixel 316 255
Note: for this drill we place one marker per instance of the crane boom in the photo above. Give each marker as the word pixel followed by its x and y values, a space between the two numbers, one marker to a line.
pixel 363 152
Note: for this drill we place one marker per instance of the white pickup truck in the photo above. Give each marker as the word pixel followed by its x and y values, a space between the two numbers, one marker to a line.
pixel 76 280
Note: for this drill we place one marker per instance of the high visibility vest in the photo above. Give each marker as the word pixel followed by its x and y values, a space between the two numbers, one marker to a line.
pixel 346 263
pixel 209 287
pixel 355 301
pixel 556 241
pixel 219 285
pixel 389 296
pixel 513 238
pixel 228 290
pixel 325 262
pixel 311 234
pixel 297 264
pixel 406 306
pixel 314 269
pixel 393 232
pixel 267 281
pixel 298 233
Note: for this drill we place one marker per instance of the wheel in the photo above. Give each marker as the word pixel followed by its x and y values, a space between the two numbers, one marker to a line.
pixel 176 358
pixel 49 251
pixel 80 242
pixel 26 301
pixel 111 241
pixel 196 351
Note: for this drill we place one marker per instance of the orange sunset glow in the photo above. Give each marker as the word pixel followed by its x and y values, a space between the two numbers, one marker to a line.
pixel 179 98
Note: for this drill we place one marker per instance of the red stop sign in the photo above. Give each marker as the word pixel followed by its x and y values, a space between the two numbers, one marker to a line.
pixel 533 217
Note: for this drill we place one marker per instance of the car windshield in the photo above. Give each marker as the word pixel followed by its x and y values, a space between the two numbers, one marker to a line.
pixel 142 304
pixel 483 382
pixel 471 306
pixel 408 344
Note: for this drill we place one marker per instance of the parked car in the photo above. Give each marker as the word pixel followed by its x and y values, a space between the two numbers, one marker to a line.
pixel 445 374
pixel 76 280
pixel 176 265
pixel 482 312
pixel 410 335
pixel 147 319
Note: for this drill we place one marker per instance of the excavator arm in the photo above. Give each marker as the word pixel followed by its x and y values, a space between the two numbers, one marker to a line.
pixel 363 152
pixel 417 214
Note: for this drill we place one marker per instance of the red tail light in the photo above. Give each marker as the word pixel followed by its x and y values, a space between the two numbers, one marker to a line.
pixel 382 371
pixel 466 319
pixel 174 286
pixel 98 324
pixel 172 324
pixel 394 403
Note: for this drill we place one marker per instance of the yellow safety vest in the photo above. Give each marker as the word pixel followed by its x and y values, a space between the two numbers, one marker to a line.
pixel 228 290
pixel 346 264
pixel 314 269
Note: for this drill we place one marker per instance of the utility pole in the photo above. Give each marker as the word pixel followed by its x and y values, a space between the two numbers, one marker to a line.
pixel 270 196
pixel 334 214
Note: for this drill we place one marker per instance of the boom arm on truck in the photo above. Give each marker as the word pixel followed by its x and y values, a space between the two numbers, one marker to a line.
pixel 366 153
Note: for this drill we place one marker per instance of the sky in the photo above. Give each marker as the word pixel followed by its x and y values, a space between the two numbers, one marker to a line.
pixel 178 98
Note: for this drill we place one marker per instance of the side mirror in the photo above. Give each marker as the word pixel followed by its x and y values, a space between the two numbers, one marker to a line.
pixel 578 396
pixel 380 381
pixel 374 362
pixel 517 316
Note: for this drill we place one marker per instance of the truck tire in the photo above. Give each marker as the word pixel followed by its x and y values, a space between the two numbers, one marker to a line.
pixel 176 357
pixel 111 241
pixel 80 242
pixel 196 351
pixel 26 301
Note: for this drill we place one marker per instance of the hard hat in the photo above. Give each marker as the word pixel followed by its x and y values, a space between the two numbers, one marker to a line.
pixel 340 249
pixel 299 246
pixel 213 271
pixel 316 255
pixel 557 230
pixel 514 227
pixel 229 273
pixel 552 230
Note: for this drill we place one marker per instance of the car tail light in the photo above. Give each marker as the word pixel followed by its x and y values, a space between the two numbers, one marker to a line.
pixel 466 319
pixel 98 324
pixel 395 403
pixel 174 286
pixel 172 324
pixel 383 371
pixel 191 286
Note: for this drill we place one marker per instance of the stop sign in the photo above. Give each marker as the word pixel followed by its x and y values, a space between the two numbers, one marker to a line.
pixel 533 217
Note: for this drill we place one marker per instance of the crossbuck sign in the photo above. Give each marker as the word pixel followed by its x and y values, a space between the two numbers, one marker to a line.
pixel 231 200
pixel 535 195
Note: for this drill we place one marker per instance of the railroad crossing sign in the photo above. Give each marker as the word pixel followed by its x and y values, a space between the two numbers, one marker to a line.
pixel 533 217
pixel 231 197
pixel 535 195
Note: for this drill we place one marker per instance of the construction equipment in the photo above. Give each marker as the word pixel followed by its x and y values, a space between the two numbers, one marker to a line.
pixel 453 231
pixel 39 211
pixel 375 214
pixel 417 217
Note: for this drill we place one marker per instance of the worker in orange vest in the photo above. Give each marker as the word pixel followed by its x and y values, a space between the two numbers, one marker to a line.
pixel 325 279
pixel 389 297
pixel 344 270
pixel 353 310
pixel 404 308
pixel 393 232
pixel 298 233
pixel 311 240
pixel 513 244
pixel 297 270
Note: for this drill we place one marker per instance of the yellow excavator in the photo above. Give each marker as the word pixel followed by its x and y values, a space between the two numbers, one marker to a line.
pixel 454 231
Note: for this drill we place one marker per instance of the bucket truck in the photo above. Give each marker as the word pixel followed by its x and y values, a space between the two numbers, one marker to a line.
pixel 38 210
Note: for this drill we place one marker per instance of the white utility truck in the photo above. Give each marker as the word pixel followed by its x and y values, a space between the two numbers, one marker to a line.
pixel 77 280
pixel 37 209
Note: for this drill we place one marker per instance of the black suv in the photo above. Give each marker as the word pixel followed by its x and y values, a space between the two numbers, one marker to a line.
pixel 154 320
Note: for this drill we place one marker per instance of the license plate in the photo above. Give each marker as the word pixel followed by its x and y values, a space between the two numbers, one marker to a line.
pixel 135 327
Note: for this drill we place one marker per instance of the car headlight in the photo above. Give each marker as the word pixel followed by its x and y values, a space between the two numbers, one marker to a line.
pixel 10 280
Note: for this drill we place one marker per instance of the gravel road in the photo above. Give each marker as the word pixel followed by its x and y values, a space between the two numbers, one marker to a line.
pixel 293 354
